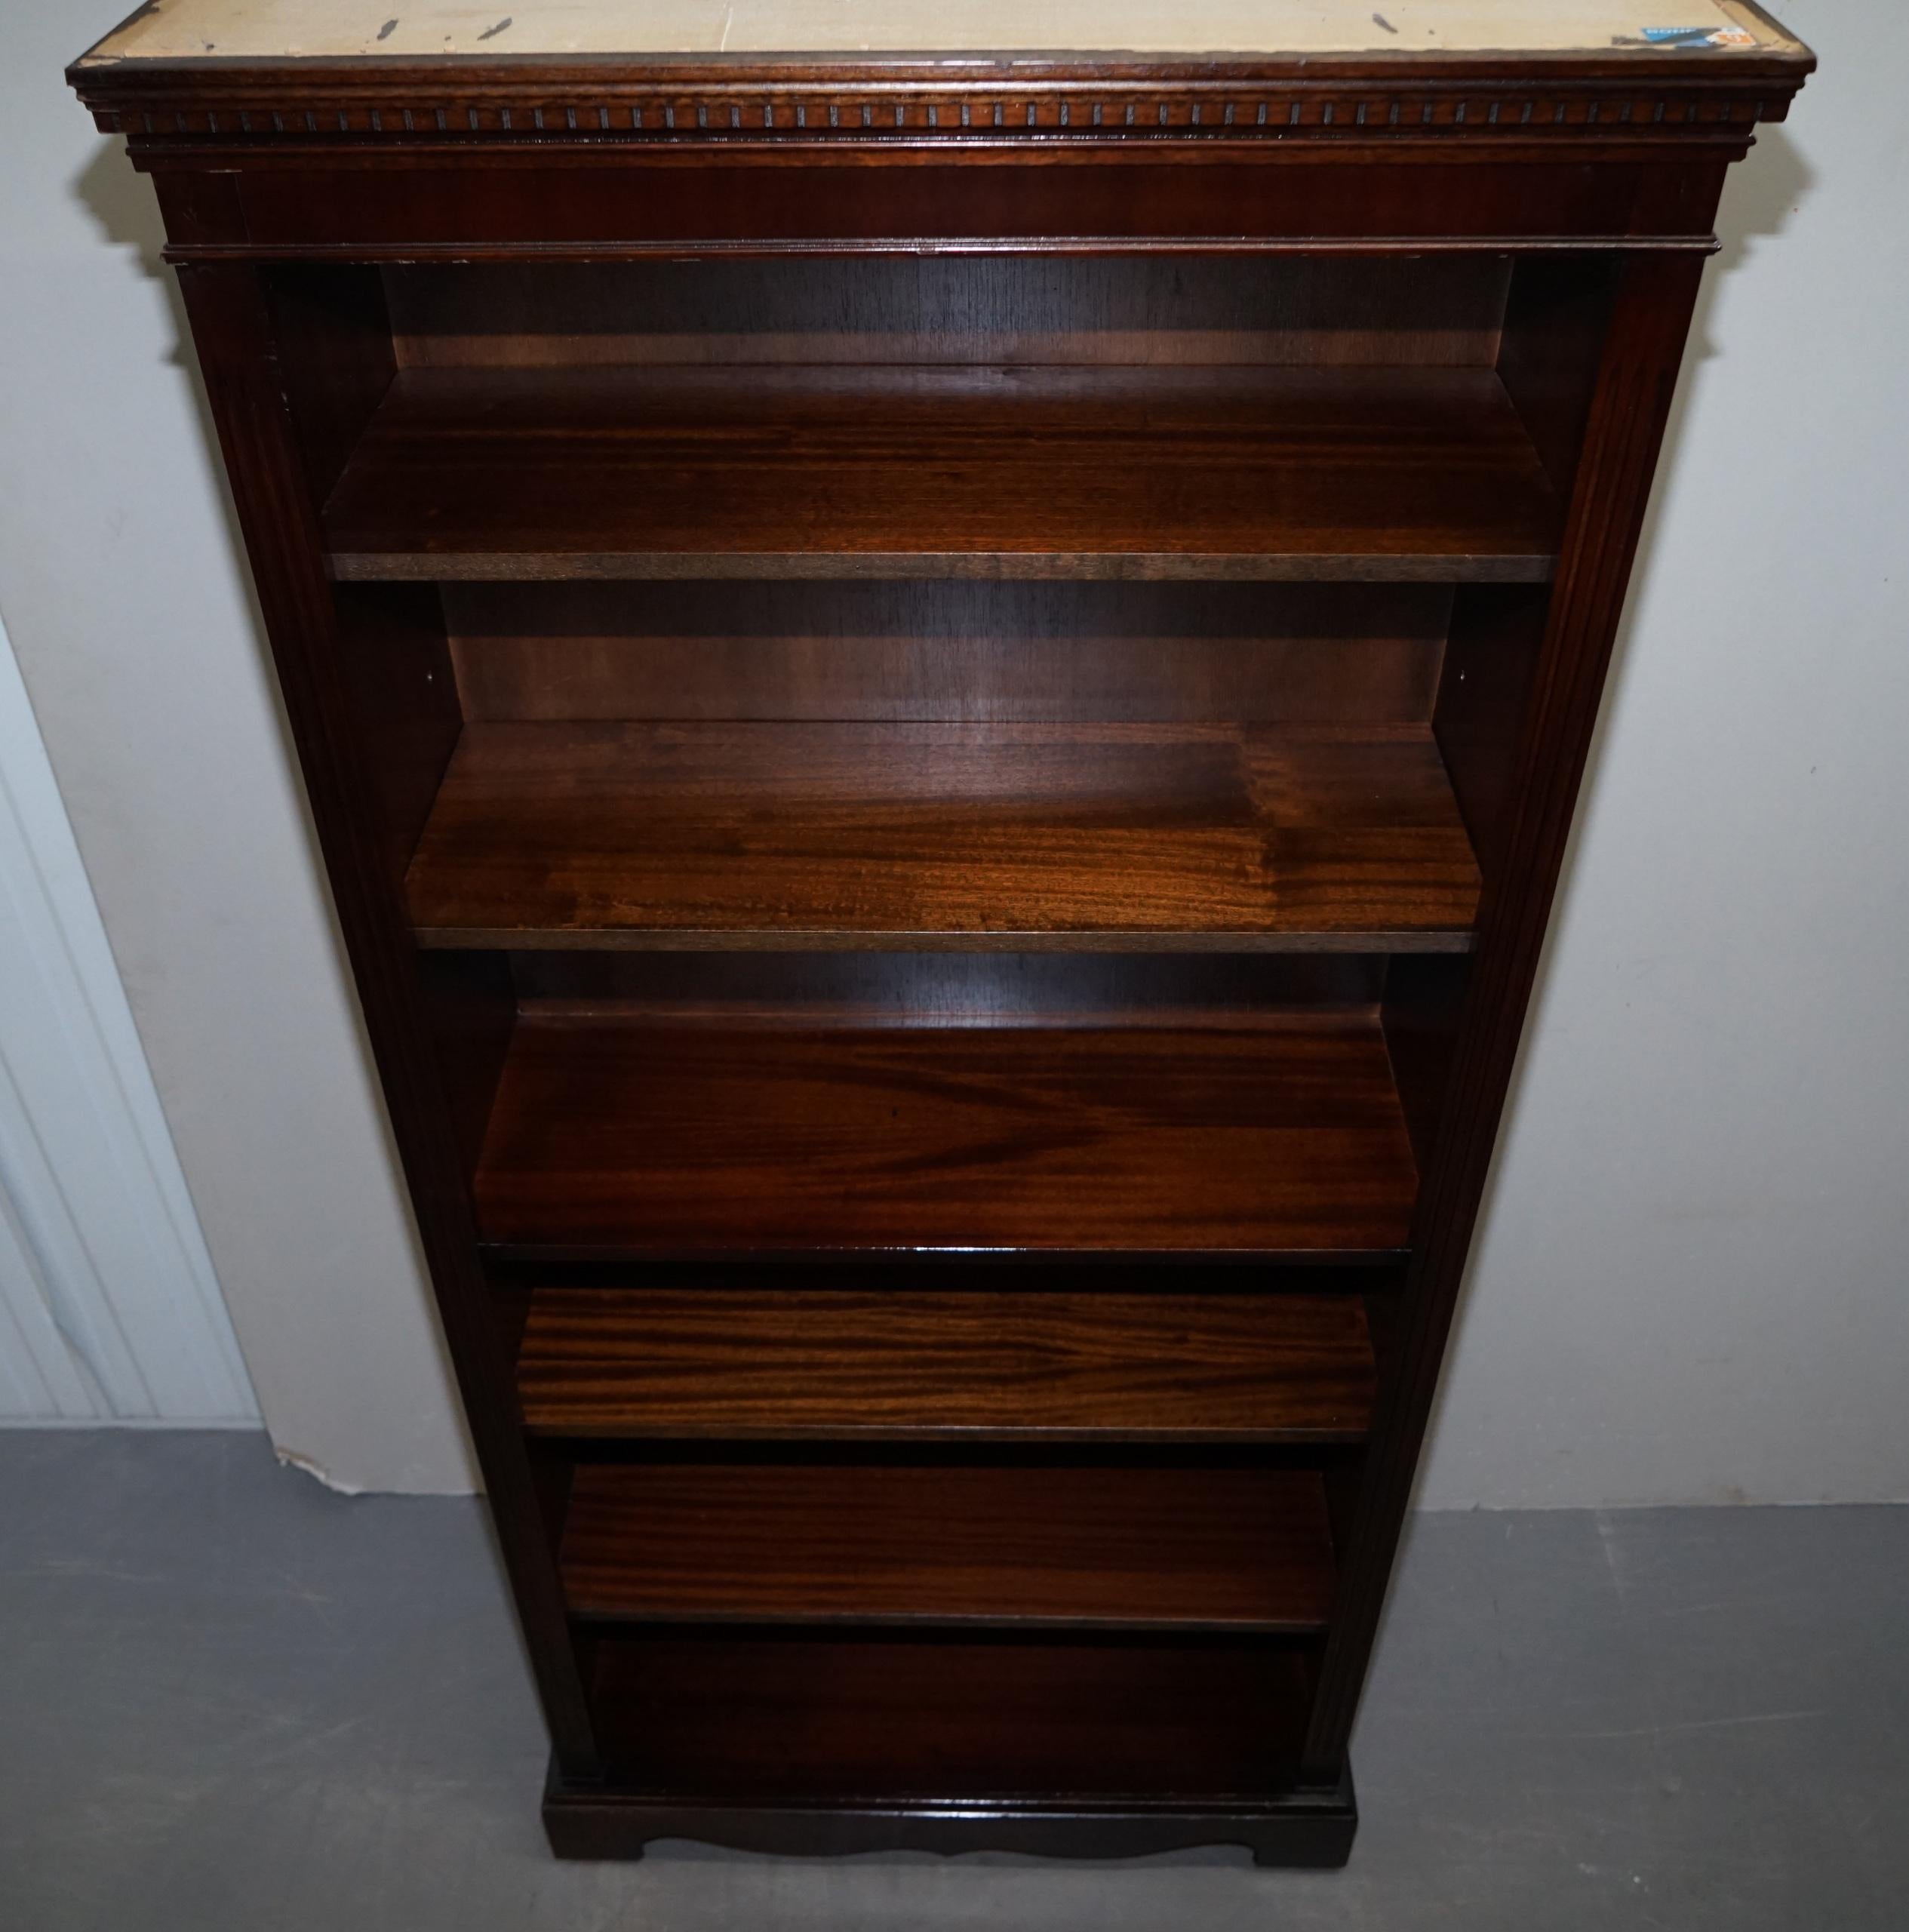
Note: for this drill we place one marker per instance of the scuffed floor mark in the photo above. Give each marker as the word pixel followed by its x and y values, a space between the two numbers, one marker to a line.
pixel 1655 1730
pixel 317 1471
pixel 66 1569
pixel 1613 1558
pixel 491 33
pixel 389 27
pixel 1380 20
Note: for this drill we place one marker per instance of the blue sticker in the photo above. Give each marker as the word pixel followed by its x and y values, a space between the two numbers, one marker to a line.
pixel 1696 37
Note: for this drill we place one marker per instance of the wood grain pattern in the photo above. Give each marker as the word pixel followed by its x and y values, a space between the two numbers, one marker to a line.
pixel 916 1363
pixel 544 200
pixel 246 389
pixel 1636 380
pixel 948 652
pixel 1340 311
pixel 1420 474
pixel 821 1717
pixel 730 1128
pixel 1238 1549
pixel 794 835
pixel 1284 1139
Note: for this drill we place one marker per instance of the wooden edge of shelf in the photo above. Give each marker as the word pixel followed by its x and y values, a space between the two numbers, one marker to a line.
pixel 177 254
pixel 543 1254
pixel 803 938
pixel 954 1624
pixel 1033 566
pixel 1445 486
pixel 932 1436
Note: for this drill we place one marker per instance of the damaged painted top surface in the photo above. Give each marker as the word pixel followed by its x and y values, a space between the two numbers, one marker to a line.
pixel 212 30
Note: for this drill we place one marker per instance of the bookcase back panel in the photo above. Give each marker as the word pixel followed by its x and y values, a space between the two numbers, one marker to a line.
pixel 792 1714
pixel 949 989
pixel 949 650
pixel 1336 311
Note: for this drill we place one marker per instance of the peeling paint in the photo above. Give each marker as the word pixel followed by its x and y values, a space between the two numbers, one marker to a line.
pixel 317 1471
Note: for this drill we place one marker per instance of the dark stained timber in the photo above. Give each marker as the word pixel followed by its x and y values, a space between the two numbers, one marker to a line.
pixel 828 1716
pixel 1422 475
pixel 627 1136
pixel 795 836
pixel 788 575
pixel 999 1365
pixel 1239 1549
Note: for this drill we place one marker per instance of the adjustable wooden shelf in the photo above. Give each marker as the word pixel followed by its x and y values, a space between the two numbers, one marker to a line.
pixel 943 688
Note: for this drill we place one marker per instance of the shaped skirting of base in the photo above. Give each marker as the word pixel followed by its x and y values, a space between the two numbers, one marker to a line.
pixel 1311 1829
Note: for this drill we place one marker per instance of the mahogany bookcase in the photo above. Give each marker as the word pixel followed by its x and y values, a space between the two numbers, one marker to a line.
pixel 943 690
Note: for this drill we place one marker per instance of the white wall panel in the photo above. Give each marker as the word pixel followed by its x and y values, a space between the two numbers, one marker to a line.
pixel 111 1307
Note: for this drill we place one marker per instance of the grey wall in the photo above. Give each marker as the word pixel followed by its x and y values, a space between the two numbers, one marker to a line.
pixel 1693 1283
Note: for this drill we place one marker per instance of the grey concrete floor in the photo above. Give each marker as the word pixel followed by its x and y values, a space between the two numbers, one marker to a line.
pixel 230 1698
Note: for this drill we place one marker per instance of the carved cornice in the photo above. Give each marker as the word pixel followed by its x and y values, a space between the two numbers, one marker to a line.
pixel 426 103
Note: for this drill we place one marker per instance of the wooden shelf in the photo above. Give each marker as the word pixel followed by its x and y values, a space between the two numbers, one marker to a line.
pixel 830 1543
pixel 1020 837
pixel 1418 474
pixel 823 1718
pixel 619 1135
pixel 914 1364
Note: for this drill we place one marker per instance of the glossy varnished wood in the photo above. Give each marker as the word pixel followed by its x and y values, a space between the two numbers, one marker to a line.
pixel 1174 1548
pixel 1397 316
pixel 246 389
pixel 999 1365
pixel 920 651
pixel 1629 408
pixel 796 835
pixel 1305 1826
pixel 665 198
pixel 698 472
pixel 912 988
pixel 1337 311
pixel 944 652
pixel 635 1137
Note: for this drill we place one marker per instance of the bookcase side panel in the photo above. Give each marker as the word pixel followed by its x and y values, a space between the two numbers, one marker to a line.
pixel 1642 351
pixel 233 331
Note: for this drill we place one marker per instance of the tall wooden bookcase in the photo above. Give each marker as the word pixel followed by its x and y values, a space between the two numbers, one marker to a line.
pixel 943 690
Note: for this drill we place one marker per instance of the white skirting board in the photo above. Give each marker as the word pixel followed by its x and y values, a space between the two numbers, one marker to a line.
pixel 109 1310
